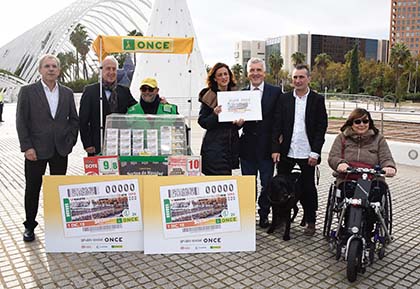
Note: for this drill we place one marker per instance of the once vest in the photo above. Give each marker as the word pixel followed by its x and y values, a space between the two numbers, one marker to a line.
pixel 162 109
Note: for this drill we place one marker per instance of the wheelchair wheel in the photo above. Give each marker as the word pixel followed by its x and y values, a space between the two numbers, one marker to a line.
pixel 329 212
pixel 354 260
pixel 388 212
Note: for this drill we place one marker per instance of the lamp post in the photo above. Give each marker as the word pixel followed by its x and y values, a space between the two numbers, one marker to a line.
pixel 325 93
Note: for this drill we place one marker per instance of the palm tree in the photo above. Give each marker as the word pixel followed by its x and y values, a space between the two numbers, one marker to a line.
pixel 81 41
pixel 298 58
pixel 322 61
pixel 237 71
pixel 276 63
pixel 134 33
pixel 67 60
pixel 400 54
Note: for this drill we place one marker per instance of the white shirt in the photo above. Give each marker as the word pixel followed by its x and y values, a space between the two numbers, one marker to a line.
pixel 299 146
pixel 107 94
pixel 52 97
pixel 260 88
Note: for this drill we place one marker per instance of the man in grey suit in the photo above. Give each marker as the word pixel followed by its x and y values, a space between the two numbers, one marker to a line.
pixel 47 126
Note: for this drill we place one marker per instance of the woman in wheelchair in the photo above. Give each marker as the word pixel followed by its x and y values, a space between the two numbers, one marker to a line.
pixel 360 145
pixel 364 221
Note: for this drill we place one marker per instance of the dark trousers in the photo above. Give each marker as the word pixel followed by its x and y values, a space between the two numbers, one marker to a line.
pixel 34 170
pixel 309 199
pixel 266 169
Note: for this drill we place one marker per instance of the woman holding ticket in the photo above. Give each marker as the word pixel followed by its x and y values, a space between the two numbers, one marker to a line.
pixel 220 147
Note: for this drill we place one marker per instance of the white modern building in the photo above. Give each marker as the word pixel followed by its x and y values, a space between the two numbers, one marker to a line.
pixel 244 50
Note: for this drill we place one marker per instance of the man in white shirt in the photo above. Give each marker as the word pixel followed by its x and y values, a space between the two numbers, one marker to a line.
pixel 298 136
pixel 255 141
pixel 47 126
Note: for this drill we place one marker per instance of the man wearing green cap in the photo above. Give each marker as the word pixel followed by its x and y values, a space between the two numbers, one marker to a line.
pixel 150 102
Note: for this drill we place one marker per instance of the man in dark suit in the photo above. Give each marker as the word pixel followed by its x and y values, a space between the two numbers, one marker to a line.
pixel 47 126
pixel 116 99
pixel 255 141
pixel 298 136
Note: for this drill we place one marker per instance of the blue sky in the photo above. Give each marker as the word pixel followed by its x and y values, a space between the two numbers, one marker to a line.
pixel 220 23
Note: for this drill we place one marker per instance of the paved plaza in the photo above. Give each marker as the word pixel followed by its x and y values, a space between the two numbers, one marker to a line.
pixel 302 262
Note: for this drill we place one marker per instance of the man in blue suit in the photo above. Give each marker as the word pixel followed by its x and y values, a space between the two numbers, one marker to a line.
pixel 255 151
pixel 298 136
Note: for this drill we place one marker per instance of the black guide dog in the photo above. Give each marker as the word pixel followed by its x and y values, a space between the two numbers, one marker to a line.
pixel 284 192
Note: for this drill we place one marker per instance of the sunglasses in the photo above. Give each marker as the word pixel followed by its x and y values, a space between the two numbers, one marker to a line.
pixel 146 88
pixel 359 121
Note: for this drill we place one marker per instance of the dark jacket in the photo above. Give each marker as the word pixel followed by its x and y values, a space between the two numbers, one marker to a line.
pixel 369 148
pixel 219 149
pixel 255 140
pixel 37 128
pixel 316 122
pixel 89 112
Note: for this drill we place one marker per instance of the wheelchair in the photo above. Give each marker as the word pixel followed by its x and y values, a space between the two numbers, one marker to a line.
pixel 358 219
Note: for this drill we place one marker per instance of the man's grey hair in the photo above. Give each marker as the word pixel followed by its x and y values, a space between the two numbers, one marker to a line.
pixel 48 56
pixel 253 60
pixel 112 58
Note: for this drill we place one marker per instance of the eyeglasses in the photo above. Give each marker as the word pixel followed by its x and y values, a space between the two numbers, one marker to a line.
pixel 359 121
pixel 146 88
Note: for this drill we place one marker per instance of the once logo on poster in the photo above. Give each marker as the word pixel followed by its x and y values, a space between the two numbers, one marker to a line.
pixel 113 239
pixel 212 240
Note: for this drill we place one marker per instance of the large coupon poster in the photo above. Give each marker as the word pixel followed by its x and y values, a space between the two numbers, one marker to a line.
pixel 199 214
pixel 87 214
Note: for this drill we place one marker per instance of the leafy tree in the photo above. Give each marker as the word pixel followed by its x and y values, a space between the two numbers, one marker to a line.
pixel 354 70
pixel 298 58
pixel 276 63
pixel 322 61
pixel 400 54
pixel 335 76
pixel 409 70
pixel 416 62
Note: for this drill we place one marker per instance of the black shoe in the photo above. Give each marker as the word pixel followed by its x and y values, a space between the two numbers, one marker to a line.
pixel 264 223
pixel 28 235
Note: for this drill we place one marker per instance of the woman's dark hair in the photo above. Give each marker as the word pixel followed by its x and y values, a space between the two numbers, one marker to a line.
pixel 358 113
pixel 212 84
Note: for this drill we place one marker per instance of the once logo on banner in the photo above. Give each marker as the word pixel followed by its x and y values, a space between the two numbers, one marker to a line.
pixel 148 45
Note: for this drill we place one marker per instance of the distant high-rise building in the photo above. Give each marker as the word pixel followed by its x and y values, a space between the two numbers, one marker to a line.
pixel 405 24
pixel 313 44
pixel 244 50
